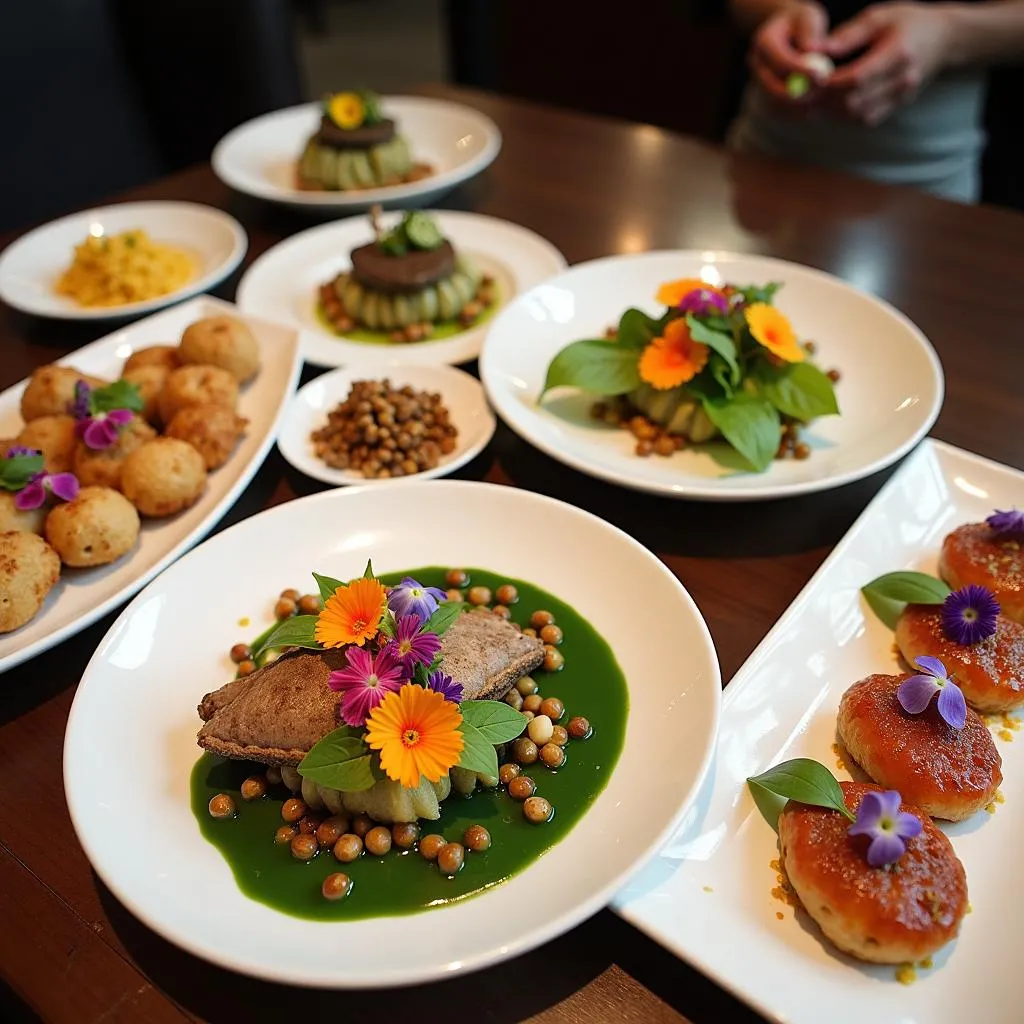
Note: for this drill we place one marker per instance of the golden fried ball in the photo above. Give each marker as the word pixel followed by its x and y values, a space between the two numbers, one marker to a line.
pixel 222 341
pixel 165 356
pixel 29 567
pixel 163 477
pixel 97 527
pixel 54 436
pixel 150 380
pixel 212 430
pixel 197 385
pixel 13 518
pixel 51 391
pixel 102 467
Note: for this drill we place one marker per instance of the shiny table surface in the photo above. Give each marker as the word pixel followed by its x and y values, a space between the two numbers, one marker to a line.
pixel 70 952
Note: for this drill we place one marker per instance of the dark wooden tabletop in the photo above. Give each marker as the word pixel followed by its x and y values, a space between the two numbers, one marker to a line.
pixel 70 952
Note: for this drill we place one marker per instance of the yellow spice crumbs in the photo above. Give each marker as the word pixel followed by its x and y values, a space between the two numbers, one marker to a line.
pixel 783 891
pixel 906 974
pixel 926 963
pixel 969 909
pixel 244 621
pixel 780 915
pixel 997 799
pixel 707 888
pixel 1005 735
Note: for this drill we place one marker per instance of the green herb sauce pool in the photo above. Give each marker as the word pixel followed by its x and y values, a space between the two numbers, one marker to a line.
pixel 402 882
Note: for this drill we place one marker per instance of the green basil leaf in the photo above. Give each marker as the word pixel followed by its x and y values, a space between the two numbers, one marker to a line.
pixel 368 571
pixel 887 610
pixel 751 425
pixel 723 375
pixel 16 472
pixel 495 720
pixel 600 367
pixel 636 329
pixel 328 585
pixel 799 390
pixel 478 755
pixel 121 394
pixel 387 626
pixel 803 780
pixel 446 614
pixel 888 595
pixel 718 342
pixel 759 293
pixel 768 803
pixel 341 760
pixel 298 631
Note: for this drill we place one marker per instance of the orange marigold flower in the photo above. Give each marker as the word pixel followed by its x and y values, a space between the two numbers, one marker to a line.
pixel 352 614
pixel 417 733
pixel 772 330
pixel 673 359
pixel 671 293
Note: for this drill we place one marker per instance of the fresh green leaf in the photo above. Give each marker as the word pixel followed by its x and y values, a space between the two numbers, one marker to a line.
pixel 718 342
pixel 495 720
pixel 888 595
pixel 722 374
pixel 447 612
pixel 887 610
pixel 768 803
pixel 749 424
pixel 759 293
pixel 368 571
pixel 16 471
pixel 328 585
pixel 600 367
pixel 387 626
pixel 803 780
pixel 341 760
pixel 297 631
pixel 636 329
pixel 121 394
pixel 799 390
pixel 478 755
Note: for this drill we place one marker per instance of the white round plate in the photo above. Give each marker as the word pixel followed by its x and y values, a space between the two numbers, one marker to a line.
pixel 461 393
pixel 283 283
pixel 30 267
pixel 131 736
pixel 260 156
pixel 889 395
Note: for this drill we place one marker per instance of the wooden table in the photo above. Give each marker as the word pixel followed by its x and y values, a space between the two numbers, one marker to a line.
pixel 70 952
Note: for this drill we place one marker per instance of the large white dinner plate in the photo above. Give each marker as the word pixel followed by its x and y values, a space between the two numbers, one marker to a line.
pixel 131 733
pixel 260 156
pixel 30 266
pixel 461 394
pixel 890 392
pixel 83 595
pixel 707 896
pixel 283 283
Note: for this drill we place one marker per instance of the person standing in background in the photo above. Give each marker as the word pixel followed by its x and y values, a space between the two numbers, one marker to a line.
pixel 904 103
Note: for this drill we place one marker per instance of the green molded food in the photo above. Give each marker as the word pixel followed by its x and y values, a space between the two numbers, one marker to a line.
pixel 590 684
pixel 325 167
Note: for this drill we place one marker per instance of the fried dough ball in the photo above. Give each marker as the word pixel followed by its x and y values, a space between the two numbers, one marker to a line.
pixel 166 356
pixel 881 915
pixel 29 567
pixel 222 341
pixel 197 385
pixel 102 467
pixel 163 477
pixel 949 773
pixel 97 527
pixel 212 430
pixel 975 553
pixel 6 443
pixel 54 436
pixel 51 391
pixel 150 381
pixel 13 518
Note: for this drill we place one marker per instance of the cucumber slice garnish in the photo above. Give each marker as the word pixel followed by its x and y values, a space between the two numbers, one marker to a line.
pixel 422 232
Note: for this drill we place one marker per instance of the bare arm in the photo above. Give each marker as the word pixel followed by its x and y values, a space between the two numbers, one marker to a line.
pixel 986 33
pixel 749 14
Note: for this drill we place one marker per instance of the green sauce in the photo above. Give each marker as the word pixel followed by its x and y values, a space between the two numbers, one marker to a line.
pixel 591 684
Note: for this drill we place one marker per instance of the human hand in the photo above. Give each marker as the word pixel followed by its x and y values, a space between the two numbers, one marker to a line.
pixel 907 44
pixel 778 47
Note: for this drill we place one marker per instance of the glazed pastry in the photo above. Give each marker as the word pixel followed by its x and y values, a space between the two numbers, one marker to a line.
pixel 976 553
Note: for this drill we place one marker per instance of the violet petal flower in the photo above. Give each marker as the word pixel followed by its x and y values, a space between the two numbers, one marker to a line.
pixel 952 705
pixel 445 685
pixel 80 406
pixel 42 485
pixel 704 302
pixel 19 450
pixel 880 819
pixel 31 496
pixel 99 432
pixel 120 417
pixel 364 683
pixel 915 693
pixel 969 615
pixel 412 598
pixel 1007 523
pixel 410 647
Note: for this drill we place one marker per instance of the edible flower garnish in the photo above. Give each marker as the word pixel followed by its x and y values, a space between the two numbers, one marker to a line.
pixel 970 614
pixel 346 110
pixel 671 293
pixel 417 734
pixel 1007 523
pixel 772 330
pixel 18 466
pixel 412 598
pixel 672 359
pixel 19 451
pixel 879 817
pixel 364 682
pixel 411 646
pixel 445 685
pixel 352 614
pixel 704 301
pixel 915 693
pixel 21 471
pixel 103 412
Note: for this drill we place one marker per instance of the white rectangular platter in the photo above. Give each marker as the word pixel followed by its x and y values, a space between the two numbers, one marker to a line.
pixel 84 595
pixel 708 895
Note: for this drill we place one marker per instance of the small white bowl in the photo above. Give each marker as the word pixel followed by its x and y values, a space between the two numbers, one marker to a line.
pixel 462 394
pixel 30 267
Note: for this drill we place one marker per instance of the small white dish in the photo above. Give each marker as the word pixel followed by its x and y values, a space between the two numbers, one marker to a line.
pixel 31 266
pixel 131 736
pixel 260 157
pixel 884 414
pixel 82 596
pixel 708 895
pixel 461 393
pixel 283 284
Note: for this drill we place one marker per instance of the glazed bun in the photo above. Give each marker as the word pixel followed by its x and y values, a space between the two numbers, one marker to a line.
pixel 222 341
pixel 163 477
pixel 212 430
pixel 102 467
pixel 150 380
pixel 197 385
pixel 97 527
pixel 51 391
pixel 29 568
pixel 54 436
pixel 165 356
pixel 975 553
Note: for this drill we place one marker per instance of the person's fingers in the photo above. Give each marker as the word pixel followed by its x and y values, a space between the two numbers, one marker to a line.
pixel 882 95
pixel 810 26
pixel 774 44
pixel 854 34
pixel 768 79
pixel 887 57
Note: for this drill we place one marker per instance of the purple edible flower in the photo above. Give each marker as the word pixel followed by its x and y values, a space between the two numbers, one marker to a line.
pixel 103 429
pixel 445 685
pixel 412 598
pixel 19 450
pixel 879 816
pixel 80 406
pixel 915 693
pixel 969 615
pixel 41 485
pixel 410 647
pixel 704 302
pixel 365 681
pixel 1007 523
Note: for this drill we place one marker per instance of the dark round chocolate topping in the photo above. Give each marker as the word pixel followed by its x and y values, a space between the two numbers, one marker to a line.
pixel 364 137
pixel 416 269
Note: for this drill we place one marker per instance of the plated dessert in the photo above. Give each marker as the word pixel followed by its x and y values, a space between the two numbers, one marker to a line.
pixel 357 147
